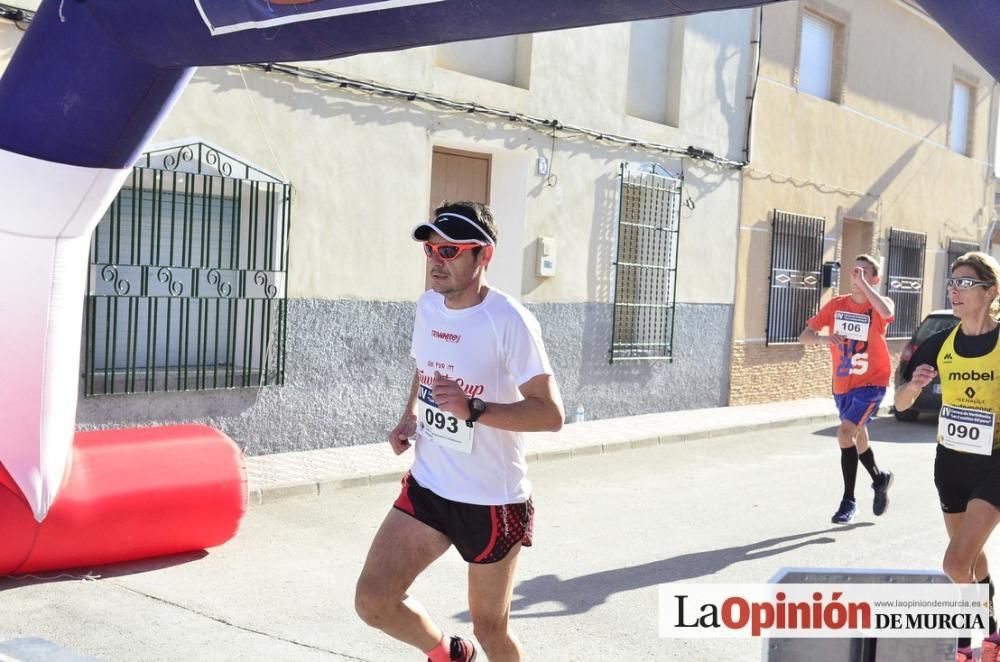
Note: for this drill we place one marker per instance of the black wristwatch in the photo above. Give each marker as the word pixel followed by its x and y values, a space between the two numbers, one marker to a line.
pixel 476 409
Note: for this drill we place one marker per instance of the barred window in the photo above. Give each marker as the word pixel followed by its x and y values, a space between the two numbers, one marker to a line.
pixel 186 289
pixel 904 280
pixel 645 270
pixel 956 249
pixel 796 282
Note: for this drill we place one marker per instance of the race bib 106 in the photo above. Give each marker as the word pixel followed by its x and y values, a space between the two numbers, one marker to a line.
pixel 966 430
pixel 851 325
pixel 440 427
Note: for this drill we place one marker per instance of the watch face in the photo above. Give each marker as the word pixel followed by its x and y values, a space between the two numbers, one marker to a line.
pixel 477 405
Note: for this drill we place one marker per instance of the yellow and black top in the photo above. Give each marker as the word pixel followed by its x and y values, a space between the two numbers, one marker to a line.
pixel 970 395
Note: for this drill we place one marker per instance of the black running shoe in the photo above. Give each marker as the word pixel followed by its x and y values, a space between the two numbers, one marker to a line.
pixel 848 509
pixel 881 487
pixel 462 650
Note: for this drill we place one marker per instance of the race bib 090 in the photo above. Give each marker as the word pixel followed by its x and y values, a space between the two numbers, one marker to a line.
pixel 966 430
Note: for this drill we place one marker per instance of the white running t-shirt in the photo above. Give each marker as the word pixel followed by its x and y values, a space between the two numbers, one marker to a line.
pixel 490 349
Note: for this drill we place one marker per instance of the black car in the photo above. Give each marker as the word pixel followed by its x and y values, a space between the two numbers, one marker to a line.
pixel 929 401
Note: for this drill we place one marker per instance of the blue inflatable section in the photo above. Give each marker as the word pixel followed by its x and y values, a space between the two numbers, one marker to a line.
pixel 975 24
pixel 90 79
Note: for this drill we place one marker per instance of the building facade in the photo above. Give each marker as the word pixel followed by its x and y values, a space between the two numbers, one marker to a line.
pixel 257 272
pixel 873 132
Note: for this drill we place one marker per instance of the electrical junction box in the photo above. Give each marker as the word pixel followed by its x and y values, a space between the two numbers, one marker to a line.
pixel 545 247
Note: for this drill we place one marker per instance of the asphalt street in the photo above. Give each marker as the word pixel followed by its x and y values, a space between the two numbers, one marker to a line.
pixel 609 529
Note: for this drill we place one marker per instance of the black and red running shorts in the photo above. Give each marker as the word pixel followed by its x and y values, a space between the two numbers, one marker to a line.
pixel 481 534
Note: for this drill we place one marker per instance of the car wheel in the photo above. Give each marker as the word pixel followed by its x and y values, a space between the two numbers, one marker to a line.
pixel 908 416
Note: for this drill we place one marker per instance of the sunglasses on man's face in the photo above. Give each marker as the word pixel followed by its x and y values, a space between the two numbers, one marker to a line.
pixel 447 252
pixel 967 283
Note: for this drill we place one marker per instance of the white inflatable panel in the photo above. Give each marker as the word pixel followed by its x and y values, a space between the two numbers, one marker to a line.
pixel 45 231
pixel 45 199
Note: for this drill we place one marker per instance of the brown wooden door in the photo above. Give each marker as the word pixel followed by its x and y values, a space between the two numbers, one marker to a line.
pixel 458 175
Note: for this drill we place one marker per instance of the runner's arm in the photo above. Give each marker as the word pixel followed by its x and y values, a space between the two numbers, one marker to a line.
pixel 920 371
pixel 884 306
pixel 810 336
pixel 411 402
pixel 540 411
pixel 907 393
pixel 399 437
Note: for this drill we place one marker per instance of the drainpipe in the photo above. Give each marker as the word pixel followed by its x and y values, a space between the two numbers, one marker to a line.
pixel 756 35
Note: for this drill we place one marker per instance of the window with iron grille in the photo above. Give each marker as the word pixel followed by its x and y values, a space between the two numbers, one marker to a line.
pixel 904 278
pixel 796 266
pixel 188 266
pixel 956 249
pixel 645 269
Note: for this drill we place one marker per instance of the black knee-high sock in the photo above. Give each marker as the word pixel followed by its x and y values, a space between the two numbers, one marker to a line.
pixel 849 467
pixel 868 460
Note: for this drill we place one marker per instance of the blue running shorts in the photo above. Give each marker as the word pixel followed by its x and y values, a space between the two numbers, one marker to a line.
pixel 859 405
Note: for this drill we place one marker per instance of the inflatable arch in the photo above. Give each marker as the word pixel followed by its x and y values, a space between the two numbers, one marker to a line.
pixel 90 83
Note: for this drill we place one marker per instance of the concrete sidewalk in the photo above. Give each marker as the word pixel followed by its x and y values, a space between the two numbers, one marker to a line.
pixel 283 475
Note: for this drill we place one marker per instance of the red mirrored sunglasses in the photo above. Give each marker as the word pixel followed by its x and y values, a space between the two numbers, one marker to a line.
pixel 447 252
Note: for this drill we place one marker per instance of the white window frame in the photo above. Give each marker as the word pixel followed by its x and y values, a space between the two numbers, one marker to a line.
pixel 817 56
pixel 839 19
pixel 960 116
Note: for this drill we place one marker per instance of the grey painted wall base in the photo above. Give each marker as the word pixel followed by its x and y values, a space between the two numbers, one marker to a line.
pixel 349 369
pixel 578 339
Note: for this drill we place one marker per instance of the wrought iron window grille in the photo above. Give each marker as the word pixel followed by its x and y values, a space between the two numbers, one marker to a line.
pixel 904 278
pixel 645 268
pixel 796 274
pixel 187 282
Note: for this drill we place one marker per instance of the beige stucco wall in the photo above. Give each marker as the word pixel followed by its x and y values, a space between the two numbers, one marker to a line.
pixel 360 165
pixel 880 156
pixel 361 171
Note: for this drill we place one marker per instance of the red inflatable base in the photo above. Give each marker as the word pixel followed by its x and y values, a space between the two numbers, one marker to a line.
pixel 130 494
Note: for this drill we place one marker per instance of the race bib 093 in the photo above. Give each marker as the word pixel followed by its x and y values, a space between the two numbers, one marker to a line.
pixel 440 427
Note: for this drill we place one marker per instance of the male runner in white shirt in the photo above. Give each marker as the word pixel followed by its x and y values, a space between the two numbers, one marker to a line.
pixel 482 378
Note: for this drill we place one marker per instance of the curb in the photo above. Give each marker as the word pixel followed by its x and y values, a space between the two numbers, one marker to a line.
pixel 277 492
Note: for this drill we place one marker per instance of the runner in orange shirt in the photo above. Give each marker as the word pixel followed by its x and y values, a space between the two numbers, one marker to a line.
pixel 856 325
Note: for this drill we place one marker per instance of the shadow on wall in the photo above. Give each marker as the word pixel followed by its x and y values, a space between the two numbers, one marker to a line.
pixel 728 109
pixel 598 322
pixel 327 101
pixel 598 317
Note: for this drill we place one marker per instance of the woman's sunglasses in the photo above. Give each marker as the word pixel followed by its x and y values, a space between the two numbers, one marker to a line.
pixel 967 283
pixel 447 252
